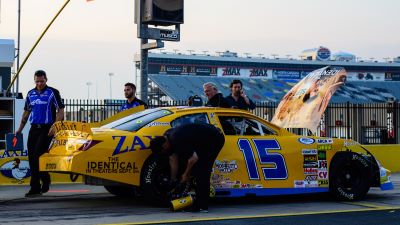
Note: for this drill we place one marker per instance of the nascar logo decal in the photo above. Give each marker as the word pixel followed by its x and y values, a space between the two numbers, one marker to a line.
pixel 306 141
pixel 17 169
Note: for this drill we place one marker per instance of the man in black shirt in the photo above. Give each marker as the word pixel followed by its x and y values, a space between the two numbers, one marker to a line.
pixel 131 100
pixel 215 99
pixel 238 99
pixel 199 146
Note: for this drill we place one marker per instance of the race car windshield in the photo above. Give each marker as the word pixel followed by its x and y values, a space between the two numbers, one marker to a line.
pixel 136 121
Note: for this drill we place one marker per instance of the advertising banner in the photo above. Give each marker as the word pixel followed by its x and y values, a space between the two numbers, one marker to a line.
pixel 365 76
pixel 182 70
pixel 286 74
pixel 244 72
pixel 304 104
pixel 392 76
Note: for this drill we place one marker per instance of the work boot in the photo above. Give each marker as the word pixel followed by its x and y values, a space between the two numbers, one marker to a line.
pixel 33 193
pixel 45 187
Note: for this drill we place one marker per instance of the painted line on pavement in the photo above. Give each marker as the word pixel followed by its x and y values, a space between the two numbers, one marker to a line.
pixel 69 191
pixel 369 205
pixel 254 216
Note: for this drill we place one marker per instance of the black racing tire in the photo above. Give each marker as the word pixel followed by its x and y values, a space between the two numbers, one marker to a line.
pixel 121 191
pixel 350 176
pixel 155 180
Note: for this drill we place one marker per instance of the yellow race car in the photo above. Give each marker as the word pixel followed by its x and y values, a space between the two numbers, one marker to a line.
pixel 258 158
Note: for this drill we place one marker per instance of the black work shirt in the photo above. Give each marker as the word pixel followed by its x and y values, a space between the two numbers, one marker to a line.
pixel 204 139
pixel 218 100
pixel 134 103
pixel 240 103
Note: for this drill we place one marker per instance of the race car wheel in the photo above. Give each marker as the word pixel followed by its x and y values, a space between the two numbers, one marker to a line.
pixel 121 191
pixel 155 180
pixel 350 176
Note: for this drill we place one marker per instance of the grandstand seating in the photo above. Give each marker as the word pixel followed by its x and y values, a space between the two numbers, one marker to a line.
pixel 180 87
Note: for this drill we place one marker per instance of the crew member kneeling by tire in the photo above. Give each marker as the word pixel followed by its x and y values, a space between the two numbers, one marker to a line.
pixel 199 145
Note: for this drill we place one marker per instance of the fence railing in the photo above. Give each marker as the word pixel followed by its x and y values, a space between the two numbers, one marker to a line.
pixel 373 123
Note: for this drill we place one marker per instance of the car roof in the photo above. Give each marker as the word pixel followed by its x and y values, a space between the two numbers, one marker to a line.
pixel 202 109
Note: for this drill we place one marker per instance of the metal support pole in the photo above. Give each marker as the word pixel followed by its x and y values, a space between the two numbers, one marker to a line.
pixel 143 71
pixel 18 43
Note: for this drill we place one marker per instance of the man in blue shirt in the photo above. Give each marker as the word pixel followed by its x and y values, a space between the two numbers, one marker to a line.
pixel 238 99
pixel 44 105
pixel 131 100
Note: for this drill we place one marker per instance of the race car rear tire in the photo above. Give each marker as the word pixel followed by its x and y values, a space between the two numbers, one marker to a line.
pixel 154 180
pixel 121 191
pixel 350 176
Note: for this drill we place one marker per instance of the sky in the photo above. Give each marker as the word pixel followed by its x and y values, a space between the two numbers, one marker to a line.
pixel 90 40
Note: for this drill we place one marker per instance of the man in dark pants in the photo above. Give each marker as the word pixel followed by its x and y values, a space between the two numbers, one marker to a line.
pixel 198 145
pixel 44 105
pixel 238 99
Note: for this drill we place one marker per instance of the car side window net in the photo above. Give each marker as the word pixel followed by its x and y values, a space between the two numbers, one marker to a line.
pixel 236 125
pixel 192 118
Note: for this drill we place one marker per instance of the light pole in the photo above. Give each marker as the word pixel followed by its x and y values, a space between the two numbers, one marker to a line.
pixel 110 74
pixel 88 89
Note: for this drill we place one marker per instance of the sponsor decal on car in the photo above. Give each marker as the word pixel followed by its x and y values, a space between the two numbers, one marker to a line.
pixel 299 184
pixel 310 171
pixel 125 144
pixel 309 151
pixel 321 155
pixel 323 183
pixel 310 158
pixel 322 174
pixel 310 164
pixel 311 177
pixel 306 141
pixel 322 164
pixel 324 147
pixel 158 124
pixel 113 165
pixel 350 143
pixel 311 183
pixel 324 141
pixel 226 166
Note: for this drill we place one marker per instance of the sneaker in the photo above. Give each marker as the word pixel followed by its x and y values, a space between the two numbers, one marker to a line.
pixel 45 187
pixel 32 194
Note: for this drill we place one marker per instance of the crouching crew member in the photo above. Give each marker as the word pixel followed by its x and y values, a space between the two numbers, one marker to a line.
pixel 199 146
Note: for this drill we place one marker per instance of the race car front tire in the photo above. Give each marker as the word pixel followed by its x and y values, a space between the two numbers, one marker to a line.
pixel 154 180
pixel 350 176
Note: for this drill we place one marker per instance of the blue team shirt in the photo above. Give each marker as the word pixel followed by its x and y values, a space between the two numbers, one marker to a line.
pixel 134 103
pixel 43 105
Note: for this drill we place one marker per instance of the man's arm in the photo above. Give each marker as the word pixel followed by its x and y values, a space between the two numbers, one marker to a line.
pixel 173 164
pixel 248 101
pixel 60 115
pixel 24 119
pixel 191 161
